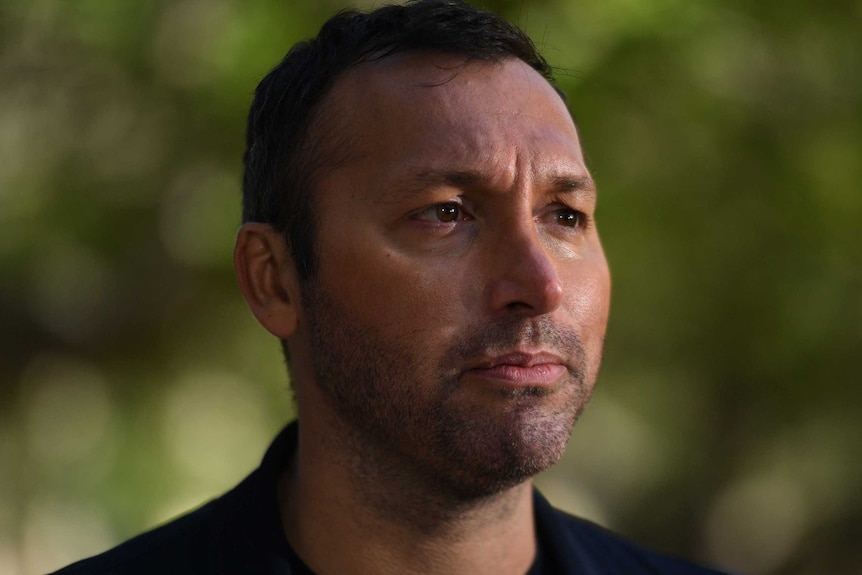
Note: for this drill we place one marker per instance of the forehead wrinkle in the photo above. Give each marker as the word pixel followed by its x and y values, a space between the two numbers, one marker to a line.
pixel 469 153
pixel 465 179
pixel 535 170
pixel 410 186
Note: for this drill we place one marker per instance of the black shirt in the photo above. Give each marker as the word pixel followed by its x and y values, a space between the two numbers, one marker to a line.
pixel 241 533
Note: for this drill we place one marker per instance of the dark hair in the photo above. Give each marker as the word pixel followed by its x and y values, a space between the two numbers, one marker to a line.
pixel 285 151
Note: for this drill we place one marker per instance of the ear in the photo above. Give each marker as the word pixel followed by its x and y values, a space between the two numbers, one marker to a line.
pixel 267 278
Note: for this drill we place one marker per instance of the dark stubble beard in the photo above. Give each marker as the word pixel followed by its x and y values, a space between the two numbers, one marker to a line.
pixel 407 420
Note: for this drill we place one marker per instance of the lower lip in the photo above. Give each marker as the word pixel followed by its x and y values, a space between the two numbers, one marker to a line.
pixel 544 374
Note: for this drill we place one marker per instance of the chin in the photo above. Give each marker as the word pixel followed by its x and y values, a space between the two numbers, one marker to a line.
pixel 499 453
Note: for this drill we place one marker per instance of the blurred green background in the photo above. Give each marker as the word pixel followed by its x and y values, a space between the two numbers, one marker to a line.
pixel 726 138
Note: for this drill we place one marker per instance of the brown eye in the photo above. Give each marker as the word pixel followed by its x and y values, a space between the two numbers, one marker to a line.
pixel 442 213
pixel 571 218
pixel 448 212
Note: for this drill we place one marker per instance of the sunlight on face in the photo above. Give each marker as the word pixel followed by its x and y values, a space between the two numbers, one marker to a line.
pixel 457 317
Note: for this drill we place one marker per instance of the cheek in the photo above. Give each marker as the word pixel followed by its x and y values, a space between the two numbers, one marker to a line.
pixel 588 300
pixel 392 291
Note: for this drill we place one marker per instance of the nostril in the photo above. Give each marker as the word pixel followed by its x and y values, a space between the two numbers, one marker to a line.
pixel 518 306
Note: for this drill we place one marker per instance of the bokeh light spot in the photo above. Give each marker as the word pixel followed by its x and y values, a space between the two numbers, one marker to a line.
pixel 58 532
pixel 215 428
pixel 756 522
pixel 68 409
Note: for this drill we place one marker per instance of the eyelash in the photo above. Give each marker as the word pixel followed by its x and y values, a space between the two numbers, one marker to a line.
pixel 443 209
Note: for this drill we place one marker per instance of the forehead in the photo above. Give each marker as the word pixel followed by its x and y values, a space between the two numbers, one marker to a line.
pixel 415 111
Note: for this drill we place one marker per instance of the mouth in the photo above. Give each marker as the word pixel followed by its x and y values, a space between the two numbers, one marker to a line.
pixel 519 370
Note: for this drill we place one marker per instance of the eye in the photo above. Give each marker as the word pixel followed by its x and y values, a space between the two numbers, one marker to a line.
pixel 448 212
pixel 570 218
pixel 443 213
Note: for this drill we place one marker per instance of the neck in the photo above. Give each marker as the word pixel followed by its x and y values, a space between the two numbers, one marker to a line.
pixel 345 495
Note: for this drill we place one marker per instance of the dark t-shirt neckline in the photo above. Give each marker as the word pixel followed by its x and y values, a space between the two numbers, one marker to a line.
pixel 277 459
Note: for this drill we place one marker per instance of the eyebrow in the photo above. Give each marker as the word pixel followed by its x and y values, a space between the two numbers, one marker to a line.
pixel 428 179
pixel 576 183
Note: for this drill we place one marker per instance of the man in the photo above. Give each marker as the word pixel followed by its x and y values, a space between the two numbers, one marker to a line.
pixel 419 234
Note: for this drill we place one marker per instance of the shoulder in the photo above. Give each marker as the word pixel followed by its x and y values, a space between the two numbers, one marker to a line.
pixel 240 532
pixel 209 539
pixel 581 546
pixel 181 546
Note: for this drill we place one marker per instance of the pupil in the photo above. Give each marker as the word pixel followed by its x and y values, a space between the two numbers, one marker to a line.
pixel 569 219
pixel 447 212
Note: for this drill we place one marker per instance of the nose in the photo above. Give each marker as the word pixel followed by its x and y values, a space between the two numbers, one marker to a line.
pixel 524 277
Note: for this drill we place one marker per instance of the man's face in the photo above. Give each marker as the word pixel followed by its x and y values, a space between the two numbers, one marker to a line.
pixel 456 318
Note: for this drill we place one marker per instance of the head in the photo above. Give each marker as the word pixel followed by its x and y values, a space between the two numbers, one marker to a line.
pixel 419 230
pixel 290 142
